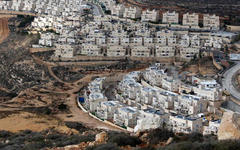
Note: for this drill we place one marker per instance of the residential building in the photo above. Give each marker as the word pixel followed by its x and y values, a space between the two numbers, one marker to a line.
pixel 64 51
pixel 117 10
pixel 151 119
pixel 171 84
pixel 107 109
pixel 164 51
pixel 189 52
pixel 212 128
pixel 170 17
pixel 116 51
pixel 132 12
pixel 95 100
pixel 91 50
pixel 211 21
pixel 150 15
pixel 190 104
pixel 190 19
pixel 140 51
pixel 182 124
pixel 126 116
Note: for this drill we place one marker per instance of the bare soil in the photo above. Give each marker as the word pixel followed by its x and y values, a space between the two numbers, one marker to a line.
pixel 4 30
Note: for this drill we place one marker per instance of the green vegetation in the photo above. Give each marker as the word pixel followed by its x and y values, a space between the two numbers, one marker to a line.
pixel 123 139
pixel 30 140
pixel 25 20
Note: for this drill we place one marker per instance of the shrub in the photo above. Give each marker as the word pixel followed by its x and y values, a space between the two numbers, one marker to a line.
pixel 157 135
pixel 107 146
pixel 123 139
pixel 5 134
pixel 76 125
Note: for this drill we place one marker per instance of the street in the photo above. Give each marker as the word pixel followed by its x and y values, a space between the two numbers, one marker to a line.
pixel 227 81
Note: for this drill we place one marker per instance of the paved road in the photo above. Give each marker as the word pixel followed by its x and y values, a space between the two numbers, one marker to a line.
pixel 97 11
pixel 227 81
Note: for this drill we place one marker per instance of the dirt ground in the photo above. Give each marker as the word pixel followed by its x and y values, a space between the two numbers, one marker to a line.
pixel 4 30
pixel 203 67
pixel 28 121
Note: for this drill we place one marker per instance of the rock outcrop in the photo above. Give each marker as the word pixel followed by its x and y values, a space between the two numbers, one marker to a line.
pixel 229 127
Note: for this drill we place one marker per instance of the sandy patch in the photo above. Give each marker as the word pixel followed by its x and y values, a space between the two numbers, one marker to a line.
pixel 25 120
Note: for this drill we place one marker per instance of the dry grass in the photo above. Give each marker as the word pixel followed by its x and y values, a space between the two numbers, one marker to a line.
pixel 4 30
pixel 33 122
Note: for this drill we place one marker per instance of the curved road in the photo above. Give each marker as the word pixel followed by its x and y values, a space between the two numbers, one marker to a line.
pixel 227 81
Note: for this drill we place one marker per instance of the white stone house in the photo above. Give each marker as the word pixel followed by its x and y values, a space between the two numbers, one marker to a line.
pixel 64 50
pixel 151 119
pixel 132 12
pixel 170 17
pixel 171 84
pixel 95 100
pixel 164 51
pixel 211 21
pixel 126 116
pixel 116 51
pixel 150 15
pixel 166 37
pixel 107 109
pixel 212 128
pixel 190 104
pixel 182 124
pixel 140 51
pixel 91 50
pixel 117 10
pixel 189 52
pixel 190 19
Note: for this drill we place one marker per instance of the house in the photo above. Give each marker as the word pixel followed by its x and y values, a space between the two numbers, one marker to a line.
pixel 117 10
pixel 126 116
pixel 153 75
pixel 116 51
pixel 211 22
pixel 212 128
pixel 182 124
pixel 107 109
pixel 64 50
pixel 140 51
pixel 151 119
pixel 189 52
pixel 207 89
pixel 150 15
pixel 91 50
pixel 132 12
pixel 190 20
pixel 190 41
pixel 170 17
pixel 166 37
pixel 95 100
pixel 96 85
pixel 190 104
pixel 171 84
pixel 164 51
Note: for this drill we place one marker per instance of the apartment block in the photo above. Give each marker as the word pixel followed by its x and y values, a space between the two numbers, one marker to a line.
pixel 211 21
pixel 182 124
pixel 189 52
pixel 150 15
pixel 170 17
pixel 116 51
pixel 164 51
pixel 140 51
pixel 132 13
pixel 190 19
pixel 91 50
pixel 117 10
